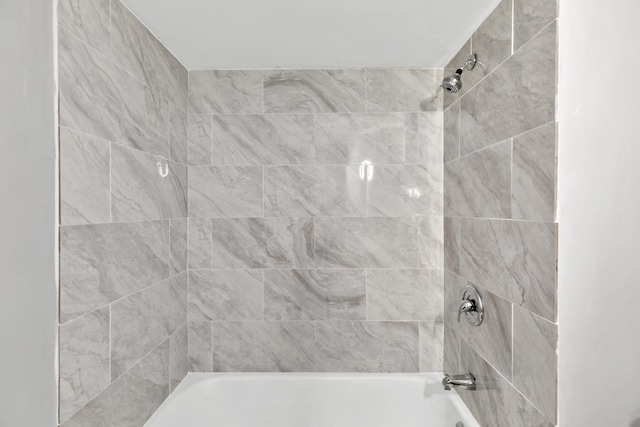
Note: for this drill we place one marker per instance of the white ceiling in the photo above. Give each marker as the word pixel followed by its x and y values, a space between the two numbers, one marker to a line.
pixel 234 34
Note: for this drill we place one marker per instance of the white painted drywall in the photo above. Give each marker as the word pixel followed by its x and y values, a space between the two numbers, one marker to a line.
pixel 223 34
pixel 599 214
pixel 28 295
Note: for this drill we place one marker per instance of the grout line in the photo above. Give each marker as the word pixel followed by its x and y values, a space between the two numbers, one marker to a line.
pixel 513 25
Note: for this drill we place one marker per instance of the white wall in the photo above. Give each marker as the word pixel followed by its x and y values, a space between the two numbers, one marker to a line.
pixel 599 214
pixel 28 296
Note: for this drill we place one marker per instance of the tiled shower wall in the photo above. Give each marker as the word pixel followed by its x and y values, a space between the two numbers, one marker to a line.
pixel 315 220
pixel 499 206
pixel 123 235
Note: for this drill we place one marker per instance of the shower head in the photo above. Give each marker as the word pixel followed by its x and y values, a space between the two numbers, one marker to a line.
pixel 453 83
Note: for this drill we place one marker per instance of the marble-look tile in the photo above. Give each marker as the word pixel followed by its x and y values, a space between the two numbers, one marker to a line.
pixel 314 91
pixel 518 96
pixel 139 52
pixel 451 351
pixel 513 259
pixel 534 174
pixel 530 17
pixel 256 139
pixel 225 295
pixel 143 320
pixel 225 191
pixel 404 190
pixel 495 402
pixel 404 294
pixel 138 192
pixel 101 99
pixel 396 89
pixel 199 246
pixel 431 345
pixel 492 339
pixel 431 243
pixel 102 263
pixel 89 20
pixel 133 398
pixel 374 138
pixel 431 137
pixel 535 362
pixel 200 140
pixel 200 349
pixel 178 139
pixel 366 242
pixel 353 346
pixel 452 132
pixel 84 360
pixel 479 184
pixel 178 357
pixel 84 178
pixel 491 42
pixel 178 251
pixel 452 244
pixel 263 243
pixel 263 346
pixel 456 62
pixel 314 191
pixel 316 294
pixel 225 92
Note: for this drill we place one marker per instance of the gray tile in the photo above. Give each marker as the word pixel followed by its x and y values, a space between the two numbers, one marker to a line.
pixel 314 191
pixel 133 398
pixel 530 17
pixel 84 178
pixel 534 174
pixel 178 140
pixel 404 90
pixel 452 132
pixel 513 259
pixel 456 62
pixel 263 346
pixel 479 184
pixel 101 99
pixel 366 242
pixel 518 96
pixel 374 138
pixel 314 91
pixel 431 345
pixel 178 356
pixel 404 295
pixel 404 190
pixel 352 346
pixel 431 134
pixel 199 246
pixel 263 243
pixel 225 295
pixel 431 243
pixel 317 294
pixel 102 263
pixel 451 351
pixel 225 92
pixel 84 360
pixel 535 362
pixel 178 238
pixel 143 320
pixel 273 139
pixel 89 20
pixel 492 339
pixel 496 403
pixel 225 191
pixel 139 52
pixel 138 192
pixel 199 144
pixel 452 244
pixel 200 349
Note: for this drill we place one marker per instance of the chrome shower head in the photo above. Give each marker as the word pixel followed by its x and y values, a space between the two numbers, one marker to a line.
pixel 453 83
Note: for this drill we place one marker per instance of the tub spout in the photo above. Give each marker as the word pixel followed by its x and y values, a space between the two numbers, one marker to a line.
pixel 464 381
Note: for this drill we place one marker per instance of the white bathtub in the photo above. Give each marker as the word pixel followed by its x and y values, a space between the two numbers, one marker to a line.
pixel 312 400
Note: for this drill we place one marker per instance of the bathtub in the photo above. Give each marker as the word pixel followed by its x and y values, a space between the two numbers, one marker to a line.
pixel 312 400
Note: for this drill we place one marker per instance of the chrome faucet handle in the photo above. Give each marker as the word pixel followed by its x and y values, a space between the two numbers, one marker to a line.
pixel 465 307
pixel 472 306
